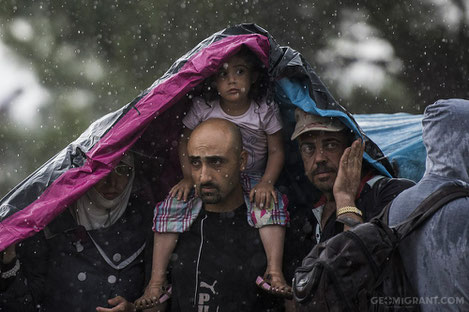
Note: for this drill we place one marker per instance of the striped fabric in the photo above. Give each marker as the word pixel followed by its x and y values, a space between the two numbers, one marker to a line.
pixel 172 215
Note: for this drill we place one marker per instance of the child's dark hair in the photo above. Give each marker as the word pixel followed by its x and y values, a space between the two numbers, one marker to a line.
pixel 259 90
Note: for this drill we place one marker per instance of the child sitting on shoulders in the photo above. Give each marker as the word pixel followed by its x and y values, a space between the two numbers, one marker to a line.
pixel 239 99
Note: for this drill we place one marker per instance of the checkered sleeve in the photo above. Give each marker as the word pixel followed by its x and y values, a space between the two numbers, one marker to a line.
pixel 172 215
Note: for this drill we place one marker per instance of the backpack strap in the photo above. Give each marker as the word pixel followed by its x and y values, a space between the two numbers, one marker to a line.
pixel 384 214
pixel 377 187
pixel 428 207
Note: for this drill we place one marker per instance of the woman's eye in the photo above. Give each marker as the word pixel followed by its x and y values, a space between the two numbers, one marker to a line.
pixel 240 71
pixel 123 170
pixel 222 74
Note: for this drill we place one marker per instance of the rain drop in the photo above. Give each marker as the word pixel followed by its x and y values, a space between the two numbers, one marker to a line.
pixel 111 279
pixel 117 257
pixel 81 276
pixel 79 246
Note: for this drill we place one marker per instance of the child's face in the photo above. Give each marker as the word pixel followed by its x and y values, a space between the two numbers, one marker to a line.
pixel 234 80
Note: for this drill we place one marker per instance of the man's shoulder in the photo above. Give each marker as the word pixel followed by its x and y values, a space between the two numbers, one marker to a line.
pixel 379 193
pixel 381 184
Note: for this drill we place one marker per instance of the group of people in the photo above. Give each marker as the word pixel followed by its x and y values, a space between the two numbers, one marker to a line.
pixel 217 241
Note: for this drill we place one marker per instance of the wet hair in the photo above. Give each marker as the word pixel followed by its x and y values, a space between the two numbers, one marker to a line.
pixel 350 135
pixel 259 90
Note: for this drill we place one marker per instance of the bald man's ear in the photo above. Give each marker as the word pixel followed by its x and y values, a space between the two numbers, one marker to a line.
pixel 243 160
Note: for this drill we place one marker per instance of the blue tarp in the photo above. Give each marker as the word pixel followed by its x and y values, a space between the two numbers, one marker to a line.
pixel 399 136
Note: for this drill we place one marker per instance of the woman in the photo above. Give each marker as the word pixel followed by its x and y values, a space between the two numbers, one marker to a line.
pixel 92 256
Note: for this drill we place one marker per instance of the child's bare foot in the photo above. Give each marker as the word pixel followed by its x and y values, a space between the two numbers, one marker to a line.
pixel 275 284
pixel 154 295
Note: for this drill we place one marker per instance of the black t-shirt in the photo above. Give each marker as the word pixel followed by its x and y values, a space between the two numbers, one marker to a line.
pixel 215 265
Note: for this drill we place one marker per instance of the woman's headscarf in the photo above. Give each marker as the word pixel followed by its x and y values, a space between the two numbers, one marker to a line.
pixel 93 211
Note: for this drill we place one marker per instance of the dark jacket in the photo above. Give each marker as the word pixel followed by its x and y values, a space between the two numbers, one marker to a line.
pixel 303 234
pixel 66 268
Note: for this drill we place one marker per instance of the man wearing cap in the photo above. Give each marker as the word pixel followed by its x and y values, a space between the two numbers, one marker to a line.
pixel 352 191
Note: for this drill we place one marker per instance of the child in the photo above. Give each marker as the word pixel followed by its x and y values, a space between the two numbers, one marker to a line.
pixel 236 100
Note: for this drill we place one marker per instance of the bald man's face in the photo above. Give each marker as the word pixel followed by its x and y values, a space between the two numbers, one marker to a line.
pixel 215 164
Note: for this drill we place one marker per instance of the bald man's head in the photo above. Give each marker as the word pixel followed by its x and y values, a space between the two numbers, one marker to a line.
pixel 216 157
pixel 220 129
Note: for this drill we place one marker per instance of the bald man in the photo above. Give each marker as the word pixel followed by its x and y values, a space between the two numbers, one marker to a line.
pixel 218 259
pixel 216 158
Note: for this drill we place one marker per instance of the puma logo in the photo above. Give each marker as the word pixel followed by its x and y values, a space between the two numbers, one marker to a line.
pixel 211 287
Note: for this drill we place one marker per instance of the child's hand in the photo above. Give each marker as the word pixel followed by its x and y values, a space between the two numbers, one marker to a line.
pixel 182 189
pixel 263 193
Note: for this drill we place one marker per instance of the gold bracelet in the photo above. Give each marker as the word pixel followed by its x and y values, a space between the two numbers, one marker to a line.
pixel 349 209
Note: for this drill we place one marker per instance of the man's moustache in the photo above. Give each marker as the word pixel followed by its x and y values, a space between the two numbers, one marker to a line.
pixel 322 169
pixel 208 185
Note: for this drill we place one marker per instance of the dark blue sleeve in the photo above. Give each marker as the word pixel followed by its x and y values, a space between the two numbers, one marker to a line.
pixel 23 292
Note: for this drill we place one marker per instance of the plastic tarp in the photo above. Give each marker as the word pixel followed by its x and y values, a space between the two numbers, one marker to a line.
pixel 150 126
pixel 400 138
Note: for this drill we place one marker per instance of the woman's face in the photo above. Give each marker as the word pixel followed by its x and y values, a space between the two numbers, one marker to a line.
pixel 112 185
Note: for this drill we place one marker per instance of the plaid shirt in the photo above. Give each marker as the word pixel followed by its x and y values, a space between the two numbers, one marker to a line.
pixel 172 215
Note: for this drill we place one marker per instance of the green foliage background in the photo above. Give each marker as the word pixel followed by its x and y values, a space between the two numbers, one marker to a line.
pixel 105 52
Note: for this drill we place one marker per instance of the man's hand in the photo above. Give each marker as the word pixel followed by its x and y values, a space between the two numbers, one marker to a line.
pixel 120 305
pixel 348 177
pixel 8 254
pixel 262 194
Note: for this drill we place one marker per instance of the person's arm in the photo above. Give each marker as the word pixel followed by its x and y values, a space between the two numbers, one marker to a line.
pixel 347 183
pixel 183 157
pixel 119 304
pixel 8 255
pixel 23 272
pixel 9 267
pixel 183 188
pixel 264 191
pixel 196 114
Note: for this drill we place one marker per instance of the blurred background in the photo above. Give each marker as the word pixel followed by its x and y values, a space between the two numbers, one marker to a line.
pixel 64 64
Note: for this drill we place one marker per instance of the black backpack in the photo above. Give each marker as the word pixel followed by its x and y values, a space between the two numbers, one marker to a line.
pixel 361 269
